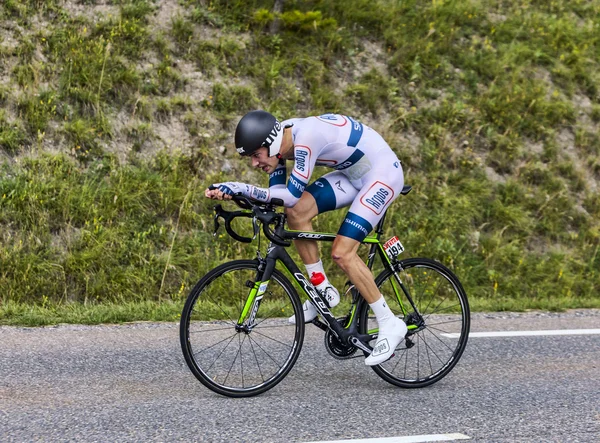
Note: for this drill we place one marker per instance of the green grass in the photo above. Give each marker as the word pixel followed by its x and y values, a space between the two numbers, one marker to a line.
pixel 493 108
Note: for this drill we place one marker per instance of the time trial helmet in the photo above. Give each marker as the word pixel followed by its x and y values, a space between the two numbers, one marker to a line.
pixel 257 129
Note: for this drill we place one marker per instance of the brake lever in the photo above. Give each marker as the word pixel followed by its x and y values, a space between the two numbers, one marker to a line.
pixel 216 220
pixel 255 227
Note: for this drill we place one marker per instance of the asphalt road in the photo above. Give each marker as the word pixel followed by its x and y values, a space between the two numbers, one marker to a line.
pixel 130 383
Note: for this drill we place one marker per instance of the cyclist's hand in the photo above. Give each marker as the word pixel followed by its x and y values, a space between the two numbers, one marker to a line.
pixel 224 191
pixel 215 194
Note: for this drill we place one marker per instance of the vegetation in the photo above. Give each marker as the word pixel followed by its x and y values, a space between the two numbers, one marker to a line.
pixel 115 116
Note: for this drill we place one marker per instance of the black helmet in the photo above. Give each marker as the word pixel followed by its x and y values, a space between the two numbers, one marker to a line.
pixel 257 129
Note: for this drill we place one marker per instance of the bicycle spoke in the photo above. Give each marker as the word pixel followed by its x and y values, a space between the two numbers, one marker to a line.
pixel 271 338
pixel 220 353
pixel 442 331
pixel 212 346
pixel 441 310
pixel 429 325
pixel 432 350
pixel 266 353
pixel 441 304
pixel 256 359
pixel 212 330
pixel 231 367
pixel 242 360
pixel 432 295
pixel 428 356
pixel 442 341
pixel 233 322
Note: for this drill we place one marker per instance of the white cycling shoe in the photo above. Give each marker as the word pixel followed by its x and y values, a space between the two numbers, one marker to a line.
pixel 391 333
pixel 310 312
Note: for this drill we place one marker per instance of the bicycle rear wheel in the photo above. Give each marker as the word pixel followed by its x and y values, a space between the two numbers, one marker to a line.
pixel 233 359
pixel 438 329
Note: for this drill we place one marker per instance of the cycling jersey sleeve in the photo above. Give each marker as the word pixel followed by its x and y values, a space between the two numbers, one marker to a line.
pixel 303 167
pixel 277 177
pixel 304 164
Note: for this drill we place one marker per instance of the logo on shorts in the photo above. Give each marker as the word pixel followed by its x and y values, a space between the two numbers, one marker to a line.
pixel 377 197
pixel 338 184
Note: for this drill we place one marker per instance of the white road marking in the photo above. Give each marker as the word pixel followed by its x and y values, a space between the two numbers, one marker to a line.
pixel 527 333
pixel 408 439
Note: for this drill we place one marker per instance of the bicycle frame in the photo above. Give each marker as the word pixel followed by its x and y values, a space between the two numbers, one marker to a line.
pixel 275 253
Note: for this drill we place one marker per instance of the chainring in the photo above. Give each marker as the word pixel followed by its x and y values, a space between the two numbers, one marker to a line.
pixel 336 348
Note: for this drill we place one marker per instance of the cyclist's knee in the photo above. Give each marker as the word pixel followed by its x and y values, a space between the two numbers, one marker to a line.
pixel 342 255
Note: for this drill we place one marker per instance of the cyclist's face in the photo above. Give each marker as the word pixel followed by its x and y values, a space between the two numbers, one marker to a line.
pixel 260 159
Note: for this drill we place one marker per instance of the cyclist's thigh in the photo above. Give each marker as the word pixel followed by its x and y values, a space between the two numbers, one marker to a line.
pixel 380 187
pixel 304 209
pixel 332 191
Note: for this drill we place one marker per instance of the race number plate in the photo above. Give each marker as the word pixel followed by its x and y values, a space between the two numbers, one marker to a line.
pixel 393 247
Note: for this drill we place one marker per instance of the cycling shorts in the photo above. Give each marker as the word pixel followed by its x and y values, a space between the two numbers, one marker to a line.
pixel 368 196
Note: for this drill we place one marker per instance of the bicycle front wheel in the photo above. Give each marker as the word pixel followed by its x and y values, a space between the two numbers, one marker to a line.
pixel 433 303
pixel 235 351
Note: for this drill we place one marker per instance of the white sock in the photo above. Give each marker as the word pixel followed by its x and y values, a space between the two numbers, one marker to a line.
pixel 381 310
pixel 315 267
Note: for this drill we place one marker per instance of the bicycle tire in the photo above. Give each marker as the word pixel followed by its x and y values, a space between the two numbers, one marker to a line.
pixel 439 342
pixel 209 343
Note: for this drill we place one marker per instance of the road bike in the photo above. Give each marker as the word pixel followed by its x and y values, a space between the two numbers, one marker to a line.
pixel 235 333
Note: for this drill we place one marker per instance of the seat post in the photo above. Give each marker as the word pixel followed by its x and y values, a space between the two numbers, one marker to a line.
pixel 379 226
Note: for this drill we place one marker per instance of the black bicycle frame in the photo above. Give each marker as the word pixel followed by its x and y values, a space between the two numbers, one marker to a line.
pixel 349 335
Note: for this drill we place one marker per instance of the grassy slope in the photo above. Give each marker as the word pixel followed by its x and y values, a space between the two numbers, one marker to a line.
pixel 115 115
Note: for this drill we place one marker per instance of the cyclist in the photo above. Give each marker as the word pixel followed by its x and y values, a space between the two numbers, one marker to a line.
pixel 367 177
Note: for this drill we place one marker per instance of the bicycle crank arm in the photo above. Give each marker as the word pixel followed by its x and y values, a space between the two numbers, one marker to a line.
pixel 360 345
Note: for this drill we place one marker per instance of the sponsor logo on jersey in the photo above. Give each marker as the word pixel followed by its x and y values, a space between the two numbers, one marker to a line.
pixel 295 186
pixel 344 165
pixel 260 194
pixel 323 162
pixel 377 197
pixel 333 119
pixel 302 161
pixel 277 172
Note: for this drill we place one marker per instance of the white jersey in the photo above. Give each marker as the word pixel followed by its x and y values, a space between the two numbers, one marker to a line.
pixel 367 174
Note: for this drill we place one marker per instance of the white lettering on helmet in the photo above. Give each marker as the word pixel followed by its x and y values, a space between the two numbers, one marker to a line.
pixel 273 134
